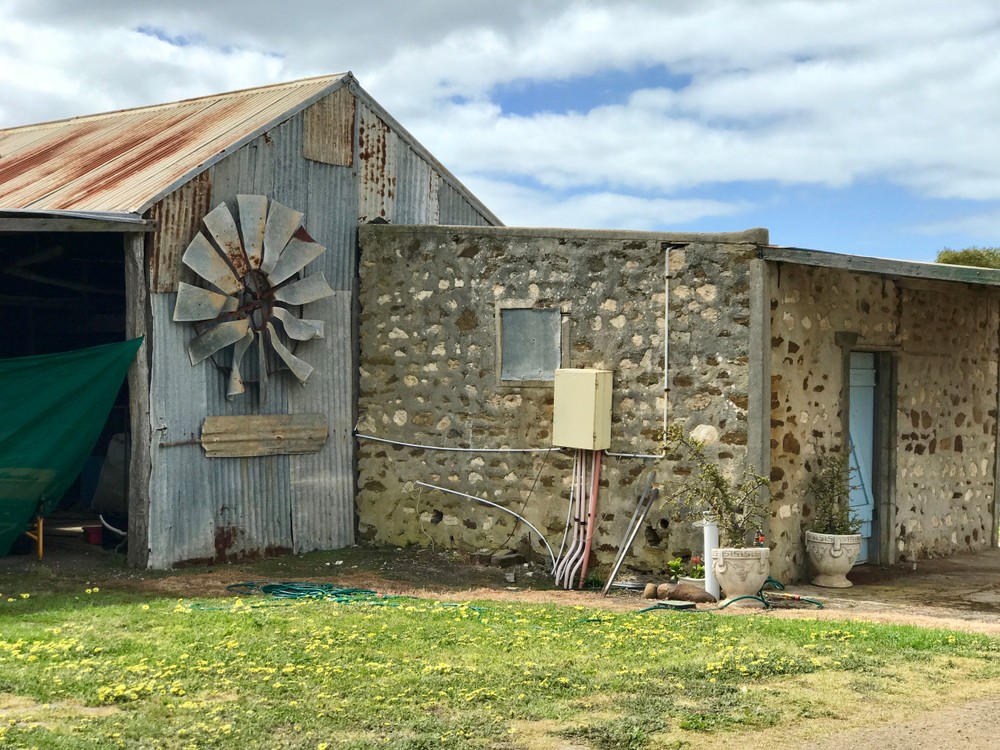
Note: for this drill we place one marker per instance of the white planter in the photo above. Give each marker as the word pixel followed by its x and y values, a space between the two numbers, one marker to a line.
pixel 741 572
pixel 699 582
pixel 832 556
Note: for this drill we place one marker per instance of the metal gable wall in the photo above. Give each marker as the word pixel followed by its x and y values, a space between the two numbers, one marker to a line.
pixel 229 508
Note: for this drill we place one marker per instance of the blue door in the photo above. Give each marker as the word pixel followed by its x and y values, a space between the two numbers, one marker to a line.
pixel 862 437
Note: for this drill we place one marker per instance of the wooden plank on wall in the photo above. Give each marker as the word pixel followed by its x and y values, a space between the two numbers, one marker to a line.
pixel 178 217
pixel 263 435
pixel 329 129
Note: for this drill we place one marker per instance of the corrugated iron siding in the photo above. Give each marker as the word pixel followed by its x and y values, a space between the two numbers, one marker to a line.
pixel 242 507
pixel 122 161
pixel 179 218
pixel 455 209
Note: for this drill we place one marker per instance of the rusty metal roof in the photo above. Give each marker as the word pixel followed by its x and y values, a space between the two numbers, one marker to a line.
pixel 125 161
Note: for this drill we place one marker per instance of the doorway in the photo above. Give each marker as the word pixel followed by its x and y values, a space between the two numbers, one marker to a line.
pixel 862 431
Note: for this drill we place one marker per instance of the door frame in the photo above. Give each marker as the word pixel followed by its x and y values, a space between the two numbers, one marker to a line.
pixel 882 549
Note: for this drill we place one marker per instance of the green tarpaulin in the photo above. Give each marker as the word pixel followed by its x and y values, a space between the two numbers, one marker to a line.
pixel 54 408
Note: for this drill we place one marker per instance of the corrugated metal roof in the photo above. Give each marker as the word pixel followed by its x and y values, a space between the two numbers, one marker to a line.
pixel 125 161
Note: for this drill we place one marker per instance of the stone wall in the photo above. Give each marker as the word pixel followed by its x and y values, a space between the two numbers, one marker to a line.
pixel 947 423
pixel 943 340
pixel 428 376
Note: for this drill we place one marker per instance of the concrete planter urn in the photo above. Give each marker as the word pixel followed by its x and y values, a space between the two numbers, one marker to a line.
pixel 741 572
pixel 832 556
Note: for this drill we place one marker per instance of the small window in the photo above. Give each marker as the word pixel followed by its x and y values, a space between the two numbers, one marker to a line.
pixel 530 345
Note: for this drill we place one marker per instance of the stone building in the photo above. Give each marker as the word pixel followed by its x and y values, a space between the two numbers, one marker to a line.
pixel 773 354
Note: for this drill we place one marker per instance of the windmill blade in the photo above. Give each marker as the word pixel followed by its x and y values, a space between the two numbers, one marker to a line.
pixel 236 386
pixel 304 291
pixel 216 338
pixel 205 261
pixel 300 368
pixel 262 369
pixel 282 222
pixel 296 256
pixel 194 303
pixel 220 224
pixel 253 219
pixel 300 330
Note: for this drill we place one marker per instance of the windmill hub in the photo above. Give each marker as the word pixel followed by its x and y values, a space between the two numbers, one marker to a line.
pixel 256 300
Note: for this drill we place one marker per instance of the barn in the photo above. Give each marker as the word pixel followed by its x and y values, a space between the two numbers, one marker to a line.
pixel 223 230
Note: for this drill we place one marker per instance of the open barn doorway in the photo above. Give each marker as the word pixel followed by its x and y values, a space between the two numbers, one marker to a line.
pixel 59 292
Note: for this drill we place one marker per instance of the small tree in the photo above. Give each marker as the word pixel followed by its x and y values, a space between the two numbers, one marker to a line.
pixel 981 257
pixel 831 488
pixel 738 506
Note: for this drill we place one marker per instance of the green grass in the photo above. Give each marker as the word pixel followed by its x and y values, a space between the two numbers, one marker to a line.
pixel 104 670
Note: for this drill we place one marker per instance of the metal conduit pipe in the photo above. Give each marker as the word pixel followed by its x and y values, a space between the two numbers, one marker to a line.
pixel 584 526
pixel 499 507
pixel 569 519
pixel 566 561
pixel 591 516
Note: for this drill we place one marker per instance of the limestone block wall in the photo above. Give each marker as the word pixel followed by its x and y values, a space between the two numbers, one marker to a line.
pixel 947 423
pixel 944 344
pixel 430 298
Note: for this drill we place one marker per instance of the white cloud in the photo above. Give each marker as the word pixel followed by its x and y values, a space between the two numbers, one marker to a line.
pixel 519 205
pixel 813 93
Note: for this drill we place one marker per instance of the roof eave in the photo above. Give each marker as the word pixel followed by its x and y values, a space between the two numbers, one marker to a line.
pixel 883 267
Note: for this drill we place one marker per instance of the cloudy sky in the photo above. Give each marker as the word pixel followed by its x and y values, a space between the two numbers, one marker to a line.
pixel 858 126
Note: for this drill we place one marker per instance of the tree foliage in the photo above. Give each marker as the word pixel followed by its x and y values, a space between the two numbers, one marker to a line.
pixel 981 257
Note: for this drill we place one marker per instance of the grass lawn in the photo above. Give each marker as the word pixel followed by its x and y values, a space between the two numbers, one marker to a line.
pixel 106 669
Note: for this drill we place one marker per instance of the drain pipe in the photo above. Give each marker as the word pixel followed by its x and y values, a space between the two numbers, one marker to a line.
pixel 710 537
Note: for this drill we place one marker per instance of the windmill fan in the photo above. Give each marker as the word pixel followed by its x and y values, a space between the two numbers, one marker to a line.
pixel 256 269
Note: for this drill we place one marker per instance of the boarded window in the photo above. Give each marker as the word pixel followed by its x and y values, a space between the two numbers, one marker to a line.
pixel 530 344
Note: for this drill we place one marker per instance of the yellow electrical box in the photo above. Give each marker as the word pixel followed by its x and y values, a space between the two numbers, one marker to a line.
pixel 581 416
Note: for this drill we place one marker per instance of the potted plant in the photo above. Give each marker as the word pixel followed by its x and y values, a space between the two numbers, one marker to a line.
pixel 832 539
pixel 693 572
pixel 738 505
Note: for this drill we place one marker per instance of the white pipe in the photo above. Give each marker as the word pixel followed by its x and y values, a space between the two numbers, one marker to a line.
pixel 710 534
pixel 110 527
pixel 584 525
pixel 459 450
pixel 569 519
pixel 579 529
pixel 500 507
pixel 635 455
pixel 666 337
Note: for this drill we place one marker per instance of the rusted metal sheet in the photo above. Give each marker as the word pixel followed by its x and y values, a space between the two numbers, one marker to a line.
pixel 263 435
pixel 178 217
pixel 128 160
pixel 377 188
pixel 329 129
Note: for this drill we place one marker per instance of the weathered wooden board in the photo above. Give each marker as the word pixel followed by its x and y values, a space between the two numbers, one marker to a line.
pixel 263 435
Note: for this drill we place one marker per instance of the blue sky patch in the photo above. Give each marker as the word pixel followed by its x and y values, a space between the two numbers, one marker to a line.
pixel 583 93
pixel 176 40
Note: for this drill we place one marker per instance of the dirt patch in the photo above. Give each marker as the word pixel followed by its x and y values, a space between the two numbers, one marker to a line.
pixel 960 593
